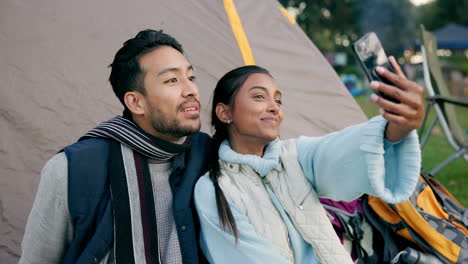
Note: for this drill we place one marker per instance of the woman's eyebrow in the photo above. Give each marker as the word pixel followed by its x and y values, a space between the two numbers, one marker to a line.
pixel 277 92
pixel 258 87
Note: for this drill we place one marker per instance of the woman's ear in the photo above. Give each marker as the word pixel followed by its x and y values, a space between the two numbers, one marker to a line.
pixel 135 102
pixel 223 112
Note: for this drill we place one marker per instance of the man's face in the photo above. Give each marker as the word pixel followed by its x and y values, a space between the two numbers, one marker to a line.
pixel 172 107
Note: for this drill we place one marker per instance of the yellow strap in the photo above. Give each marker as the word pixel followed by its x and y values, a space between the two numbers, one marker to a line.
pixel 239 32
pixel 439 242
pixel 287 15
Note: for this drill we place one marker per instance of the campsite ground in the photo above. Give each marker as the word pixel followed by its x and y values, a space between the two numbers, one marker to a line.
pixel 455 175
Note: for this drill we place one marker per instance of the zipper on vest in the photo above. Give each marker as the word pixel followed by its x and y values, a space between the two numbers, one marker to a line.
pixel 314 245
pixel 267 185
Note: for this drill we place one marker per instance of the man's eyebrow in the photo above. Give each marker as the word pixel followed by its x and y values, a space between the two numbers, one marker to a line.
pixel 265 89
pixel 174 69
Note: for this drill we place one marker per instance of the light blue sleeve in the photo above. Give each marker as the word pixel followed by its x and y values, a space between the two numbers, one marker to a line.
pixel 219 246
pixel 358 159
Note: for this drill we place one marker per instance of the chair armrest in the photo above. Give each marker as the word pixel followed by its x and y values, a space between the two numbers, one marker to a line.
pixel 443 99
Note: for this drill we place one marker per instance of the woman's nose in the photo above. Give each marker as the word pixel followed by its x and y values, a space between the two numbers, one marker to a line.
pixel 273 107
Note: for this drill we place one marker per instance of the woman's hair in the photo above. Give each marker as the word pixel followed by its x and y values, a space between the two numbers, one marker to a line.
pixel 225 92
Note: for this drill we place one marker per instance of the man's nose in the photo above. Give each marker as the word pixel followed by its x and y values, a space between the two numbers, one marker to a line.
pixel 190 89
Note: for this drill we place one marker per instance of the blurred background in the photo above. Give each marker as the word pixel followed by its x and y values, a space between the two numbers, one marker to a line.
pixel 333 25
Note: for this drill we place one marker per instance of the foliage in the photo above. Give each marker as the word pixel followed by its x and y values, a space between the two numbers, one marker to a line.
pixel 333 25
pixel 460 61
pixel 328 23
pixel 441 12
pixel 394 22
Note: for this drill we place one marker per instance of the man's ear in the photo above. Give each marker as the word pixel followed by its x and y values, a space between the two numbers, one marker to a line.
pixel 135 102
pixel 223 112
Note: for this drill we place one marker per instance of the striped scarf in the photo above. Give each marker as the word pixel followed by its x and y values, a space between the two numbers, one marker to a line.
pixel 128 133
pixel 135 230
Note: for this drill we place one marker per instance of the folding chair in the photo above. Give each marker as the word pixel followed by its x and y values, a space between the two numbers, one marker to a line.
pixel 440 100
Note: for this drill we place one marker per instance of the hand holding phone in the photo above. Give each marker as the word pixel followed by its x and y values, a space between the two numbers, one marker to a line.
pixel 401 101
pixel 371 54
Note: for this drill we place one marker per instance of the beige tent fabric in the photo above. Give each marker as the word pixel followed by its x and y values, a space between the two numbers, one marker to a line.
pixel 53 74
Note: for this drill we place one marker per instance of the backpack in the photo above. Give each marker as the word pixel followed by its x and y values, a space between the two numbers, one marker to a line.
pixel 352 228
pixel 431 224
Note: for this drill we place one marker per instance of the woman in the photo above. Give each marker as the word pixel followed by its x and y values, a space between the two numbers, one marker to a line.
pixel 259 203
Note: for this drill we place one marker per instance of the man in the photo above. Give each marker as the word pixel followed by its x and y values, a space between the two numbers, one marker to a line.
pixel 123 192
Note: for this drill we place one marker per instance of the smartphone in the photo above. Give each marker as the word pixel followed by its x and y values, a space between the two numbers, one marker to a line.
pixel 371 54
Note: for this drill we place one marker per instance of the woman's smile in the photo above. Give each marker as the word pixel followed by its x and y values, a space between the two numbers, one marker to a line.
pixel 273 120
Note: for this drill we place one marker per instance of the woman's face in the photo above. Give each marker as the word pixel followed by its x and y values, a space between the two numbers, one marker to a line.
pixel 256 112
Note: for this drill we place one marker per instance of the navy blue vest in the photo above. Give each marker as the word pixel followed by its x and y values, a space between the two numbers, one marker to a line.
pixel 90 205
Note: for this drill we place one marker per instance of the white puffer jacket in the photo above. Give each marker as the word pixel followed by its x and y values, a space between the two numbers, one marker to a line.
pixel 246 189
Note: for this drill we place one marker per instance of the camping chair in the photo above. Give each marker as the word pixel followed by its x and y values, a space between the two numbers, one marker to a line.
pixel 443 104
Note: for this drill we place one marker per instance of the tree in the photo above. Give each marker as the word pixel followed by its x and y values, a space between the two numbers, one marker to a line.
pixel 334 24
pixel 441 12
pixel 394 21
pixel 328 23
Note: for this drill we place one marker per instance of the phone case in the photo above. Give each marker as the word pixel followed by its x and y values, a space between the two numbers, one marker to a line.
pixel 371 54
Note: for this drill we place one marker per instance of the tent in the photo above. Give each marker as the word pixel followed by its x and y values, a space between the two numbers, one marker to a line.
pixel 53 73
pixel 452 36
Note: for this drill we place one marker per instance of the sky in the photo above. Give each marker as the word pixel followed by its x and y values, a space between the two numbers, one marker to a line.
pixel 420 2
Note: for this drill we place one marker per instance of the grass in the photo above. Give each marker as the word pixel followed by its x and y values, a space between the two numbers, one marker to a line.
pixel 453 176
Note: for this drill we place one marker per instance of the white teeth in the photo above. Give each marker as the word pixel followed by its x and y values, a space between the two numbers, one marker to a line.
pixel 190 109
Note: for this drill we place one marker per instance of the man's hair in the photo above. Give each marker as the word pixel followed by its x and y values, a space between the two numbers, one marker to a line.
pixel 126 74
